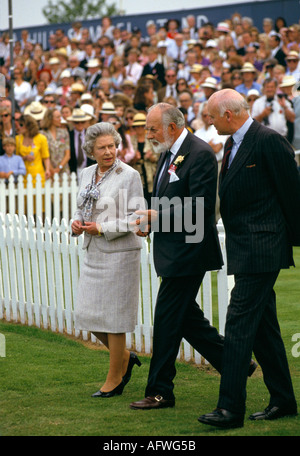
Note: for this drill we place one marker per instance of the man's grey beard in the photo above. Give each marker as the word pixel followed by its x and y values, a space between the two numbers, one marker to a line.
pixel 159 148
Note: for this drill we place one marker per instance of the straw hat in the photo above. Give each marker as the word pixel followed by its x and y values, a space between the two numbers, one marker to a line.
pixel 196 68
pixel 35 110
pixel 76 87
pixel 78 115
pixel 253 92
pixel 139 119
pixel 292 55
pixel 108 108
pixel 223 27
pixel 88 109
pixel 288 81
pixel 65 74
pixel 54 61
pixel 211 43
pixel 93 63
pixel 128 82
pixel 248 68
pixel 86 97
pixel 62 51
pixel 210 83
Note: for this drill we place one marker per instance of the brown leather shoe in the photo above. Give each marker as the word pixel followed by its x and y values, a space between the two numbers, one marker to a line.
pixel 152 402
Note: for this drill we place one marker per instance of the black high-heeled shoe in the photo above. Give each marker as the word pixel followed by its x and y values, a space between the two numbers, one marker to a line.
pixel 133 359
pixel 117 391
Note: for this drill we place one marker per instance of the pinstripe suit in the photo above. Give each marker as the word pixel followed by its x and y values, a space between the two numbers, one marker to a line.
pixel 260 209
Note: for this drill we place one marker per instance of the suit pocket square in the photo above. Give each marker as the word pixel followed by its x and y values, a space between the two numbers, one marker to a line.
pixel 173 178
pixel 251 166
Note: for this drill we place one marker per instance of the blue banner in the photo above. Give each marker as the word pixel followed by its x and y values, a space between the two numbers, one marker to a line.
pixel 288 9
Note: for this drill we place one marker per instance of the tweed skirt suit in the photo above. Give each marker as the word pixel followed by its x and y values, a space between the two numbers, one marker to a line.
pixel 108 288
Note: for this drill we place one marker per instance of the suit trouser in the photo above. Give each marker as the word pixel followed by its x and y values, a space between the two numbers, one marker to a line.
pixel 177 316
pixel 252 325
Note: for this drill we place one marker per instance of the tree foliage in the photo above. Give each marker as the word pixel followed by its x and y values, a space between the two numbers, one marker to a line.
pixel 75 10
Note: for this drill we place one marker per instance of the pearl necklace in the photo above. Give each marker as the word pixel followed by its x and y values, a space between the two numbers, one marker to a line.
pixel 99 173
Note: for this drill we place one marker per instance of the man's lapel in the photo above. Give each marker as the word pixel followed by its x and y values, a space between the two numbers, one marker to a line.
pixel 184 150
pixel 241 156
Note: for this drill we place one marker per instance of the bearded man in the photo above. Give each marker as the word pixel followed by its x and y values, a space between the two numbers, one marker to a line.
pixel 184 188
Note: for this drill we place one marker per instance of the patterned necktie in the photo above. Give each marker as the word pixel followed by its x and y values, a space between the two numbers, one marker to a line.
pixel 228 148
pixel 164 173
pixel 79 152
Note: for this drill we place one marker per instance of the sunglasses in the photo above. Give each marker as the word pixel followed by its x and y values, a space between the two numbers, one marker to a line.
pixel 48 101
pixel 292 60
pixel 4 115
pixel 128 118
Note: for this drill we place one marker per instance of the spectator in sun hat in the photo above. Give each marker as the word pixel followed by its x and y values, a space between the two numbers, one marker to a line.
pixel 76 91
pixel 107 109
pixel 287 84
pixel 209 86
pixel 86 98
pixel 93 74
pixel 249 74
pixel 252 96
pixel 293 66
pixel 64 89
pixel 35 110
pixel 78 160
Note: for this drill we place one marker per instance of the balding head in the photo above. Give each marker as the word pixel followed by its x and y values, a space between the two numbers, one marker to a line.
pixel 228 110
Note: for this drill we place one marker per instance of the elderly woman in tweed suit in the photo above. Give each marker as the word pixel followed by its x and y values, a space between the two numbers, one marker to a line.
pixel 108 291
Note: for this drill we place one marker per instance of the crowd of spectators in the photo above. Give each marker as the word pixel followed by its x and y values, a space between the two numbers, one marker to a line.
pixel 61 90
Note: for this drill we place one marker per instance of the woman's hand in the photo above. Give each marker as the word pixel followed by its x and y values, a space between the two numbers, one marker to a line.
pixel 77 227
pixel 91 228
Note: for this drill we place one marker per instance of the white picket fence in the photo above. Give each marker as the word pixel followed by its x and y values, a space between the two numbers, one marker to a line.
pixel 57 199
pixel 39 270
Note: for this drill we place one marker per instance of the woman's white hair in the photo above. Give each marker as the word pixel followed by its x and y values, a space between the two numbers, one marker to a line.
pixel 96 130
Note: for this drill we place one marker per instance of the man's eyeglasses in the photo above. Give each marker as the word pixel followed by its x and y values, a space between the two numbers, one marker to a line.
pixel 4 115
pixel 48 101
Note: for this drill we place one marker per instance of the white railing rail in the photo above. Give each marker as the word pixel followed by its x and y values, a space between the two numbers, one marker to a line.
pixel 39 271
pixel 57 199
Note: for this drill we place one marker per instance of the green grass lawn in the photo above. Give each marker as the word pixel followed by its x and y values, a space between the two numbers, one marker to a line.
pixel 47 380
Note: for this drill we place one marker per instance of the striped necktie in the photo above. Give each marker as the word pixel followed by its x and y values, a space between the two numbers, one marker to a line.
pixel 228 148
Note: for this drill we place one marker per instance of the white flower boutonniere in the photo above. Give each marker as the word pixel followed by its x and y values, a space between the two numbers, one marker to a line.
pixel 179 160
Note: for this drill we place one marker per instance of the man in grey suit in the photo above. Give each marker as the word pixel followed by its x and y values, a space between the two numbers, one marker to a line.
pixel 260 208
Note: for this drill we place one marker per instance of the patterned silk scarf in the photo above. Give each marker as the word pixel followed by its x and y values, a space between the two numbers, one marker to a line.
pixel 91 192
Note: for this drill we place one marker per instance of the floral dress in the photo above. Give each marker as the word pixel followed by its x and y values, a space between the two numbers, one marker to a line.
pixel 57 147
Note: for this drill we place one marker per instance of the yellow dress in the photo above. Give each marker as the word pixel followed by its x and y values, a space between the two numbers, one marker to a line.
pixel 40 150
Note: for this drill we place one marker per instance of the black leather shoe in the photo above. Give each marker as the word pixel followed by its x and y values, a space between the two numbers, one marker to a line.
pixel 273 413
pixel 152 402
pixel 133 359
pixel 115 392
pixel 222 418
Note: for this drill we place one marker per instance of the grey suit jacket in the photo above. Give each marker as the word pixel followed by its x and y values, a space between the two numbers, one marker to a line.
pixel 121 194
